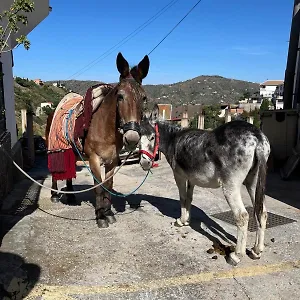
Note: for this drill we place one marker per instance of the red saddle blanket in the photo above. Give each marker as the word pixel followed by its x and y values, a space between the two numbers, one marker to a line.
pixel 71 118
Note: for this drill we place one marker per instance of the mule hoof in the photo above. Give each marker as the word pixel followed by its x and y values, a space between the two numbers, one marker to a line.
pixel 232 259
pixel 111 219
pixel 55 199
pixel 102 223
pixel 254 255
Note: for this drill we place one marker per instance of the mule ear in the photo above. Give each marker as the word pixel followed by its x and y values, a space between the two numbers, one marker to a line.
pixel 154 115
pixel 122 65
pixel 143 67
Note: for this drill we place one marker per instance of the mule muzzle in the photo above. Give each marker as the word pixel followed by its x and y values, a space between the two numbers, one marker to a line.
pixel 132 135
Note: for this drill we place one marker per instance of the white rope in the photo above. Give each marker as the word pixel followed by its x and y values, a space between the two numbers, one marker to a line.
pixel 60 191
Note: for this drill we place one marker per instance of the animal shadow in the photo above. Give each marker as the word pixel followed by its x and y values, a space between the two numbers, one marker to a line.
pixel 171 208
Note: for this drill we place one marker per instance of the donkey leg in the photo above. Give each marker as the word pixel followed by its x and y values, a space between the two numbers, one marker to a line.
pixel 188 202
pixel 181 184
pixel 70 197
pixel 54 195
pixel 109 171
pixel 261 221
pixel 101 202
pixel 232 194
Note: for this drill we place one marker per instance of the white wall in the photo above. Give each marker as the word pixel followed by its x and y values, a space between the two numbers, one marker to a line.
pixel 268 91
pixel 9 100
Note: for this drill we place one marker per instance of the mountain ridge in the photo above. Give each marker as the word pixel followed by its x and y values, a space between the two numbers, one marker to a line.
pixel 203 89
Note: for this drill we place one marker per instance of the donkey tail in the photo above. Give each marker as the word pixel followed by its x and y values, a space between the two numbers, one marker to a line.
pixel 261 182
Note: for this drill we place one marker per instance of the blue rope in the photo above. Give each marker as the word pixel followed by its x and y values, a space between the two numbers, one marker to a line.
pixel 112 193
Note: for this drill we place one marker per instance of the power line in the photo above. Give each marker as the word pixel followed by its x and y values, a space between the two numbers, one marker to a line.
pixel 175 26
pixel 124 40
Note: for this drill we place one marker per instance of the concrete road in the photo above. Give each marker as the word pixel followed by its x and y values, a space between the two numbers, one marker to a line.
pixel 56 251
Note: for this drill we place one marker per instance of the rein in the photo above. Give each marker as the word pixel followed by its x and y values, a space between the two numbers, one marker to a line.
pixel 152 156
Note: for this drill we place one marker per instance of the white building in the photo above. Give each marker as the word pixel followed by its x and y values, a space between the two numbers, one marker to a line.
pixel 267 88
pixel 279 91
pixel 8 132
pixel 45 104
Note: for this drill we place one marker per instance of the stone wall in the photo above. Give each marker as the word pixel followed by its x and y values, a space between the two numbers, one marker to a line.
pixel 9 175
pixel 6 170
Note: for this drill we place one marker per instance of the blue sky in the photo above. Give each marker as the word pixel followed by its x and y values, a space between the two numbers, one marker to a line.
pixel 239 39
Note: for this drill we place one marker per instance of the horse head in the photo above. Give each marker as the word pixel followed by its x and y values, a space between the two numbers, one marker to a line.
pixel 130 97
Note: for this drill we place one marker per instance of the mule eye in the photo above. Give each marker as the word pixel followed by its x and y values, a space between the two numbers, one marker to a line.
pixel 152 137
pixel 120 97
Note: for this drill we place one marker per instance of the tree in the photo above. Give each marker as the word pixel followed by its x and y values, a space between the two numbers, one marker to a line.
pixel 246 94
pixel 211 116
pixel 265 105
pixel 10 20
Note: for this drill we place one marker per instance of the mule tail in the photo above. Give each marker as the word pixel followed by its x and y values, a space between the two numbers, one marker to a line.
pixel 261 182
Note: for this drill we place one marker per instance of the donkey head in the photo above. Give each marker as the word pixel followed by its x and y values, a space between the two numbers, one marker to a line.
pixel 149 139
pixel 130 98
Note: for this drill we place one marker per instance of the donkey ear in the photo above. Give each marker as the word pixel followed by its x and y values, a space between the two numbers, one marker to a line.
pixel 143 67
pixel 154 115
pixel 122 65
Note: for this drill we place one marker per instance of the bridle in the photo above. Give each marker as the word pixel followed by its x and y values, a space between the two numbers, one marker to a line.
pixel 132 125
pixel 151 156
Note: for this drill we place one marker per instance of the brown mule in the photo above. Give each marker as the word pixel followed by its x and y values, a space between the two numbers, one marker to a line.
pixel 115 123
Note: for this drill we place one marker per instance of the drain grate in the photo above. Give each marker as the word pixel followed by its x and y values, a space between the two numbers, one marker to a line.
pixel 273 219
pixel 31 197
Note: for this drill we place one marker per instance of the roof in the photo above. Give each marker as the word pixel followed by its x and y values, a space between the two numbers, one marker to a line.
pixel 272 82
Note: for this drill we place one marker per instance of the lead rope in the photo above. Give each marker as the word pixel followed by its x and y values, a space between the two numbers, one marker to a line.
pixel 90 171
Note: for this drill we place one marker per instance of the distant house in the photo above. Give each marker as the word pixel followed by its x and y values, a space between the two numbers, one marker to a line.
pixel 44 104
pixel 38 82
pixel 165 111
pixel 191 110
pixel 267 88
pixel 58 84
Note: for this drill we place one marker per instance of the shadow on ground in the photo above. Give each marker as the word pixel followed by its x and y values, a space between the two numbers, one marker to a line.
pixel 286 191
pixel 17 278
pixel 171 208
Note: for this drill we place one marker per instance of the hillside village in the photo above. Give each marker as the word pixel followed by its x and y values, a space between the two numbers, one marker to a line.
pixel 236 98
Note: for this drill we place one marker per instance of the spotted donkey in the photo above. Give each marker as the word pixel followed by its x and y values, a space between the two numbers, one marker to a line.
pixel 233 154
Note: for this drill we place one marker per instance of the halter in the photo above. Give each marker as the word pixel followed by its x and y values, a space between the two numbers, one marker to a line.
pixel 132 125
pixel 152 156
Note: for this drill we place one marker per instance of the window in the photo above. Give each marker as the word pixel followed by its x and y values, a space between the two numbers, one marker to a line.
pixel 2 104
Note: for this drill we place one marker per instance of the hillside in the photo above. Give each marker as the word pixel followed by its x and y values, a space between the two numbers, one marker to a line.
pixel 29 95
pixel 202 89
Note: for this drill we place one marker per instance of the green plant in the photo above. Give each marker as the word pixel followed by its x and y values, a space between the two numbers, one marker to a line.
pixel 12 19
pixel 211 117
pixel 265 105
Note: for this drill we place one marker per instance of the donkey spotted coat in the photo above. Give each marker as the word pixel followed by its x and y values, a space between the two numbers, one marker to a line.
pixel 233 154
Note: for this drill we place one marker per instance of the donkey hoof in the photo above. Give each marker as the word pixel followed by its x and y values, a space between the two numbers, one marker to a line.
pixel 55 199
pixel 102 223
pixel 111 219
pixel 254 255
pixel 232 259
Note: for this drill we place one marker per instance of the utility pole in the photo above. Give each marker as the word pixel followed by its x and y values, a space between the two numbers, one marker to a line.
pixel 292 58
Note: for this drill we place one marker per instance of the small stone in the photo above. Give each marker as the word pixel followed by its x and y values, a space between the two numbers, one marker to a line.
pixel 210 251
pixel 215 257
pixel 272 240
